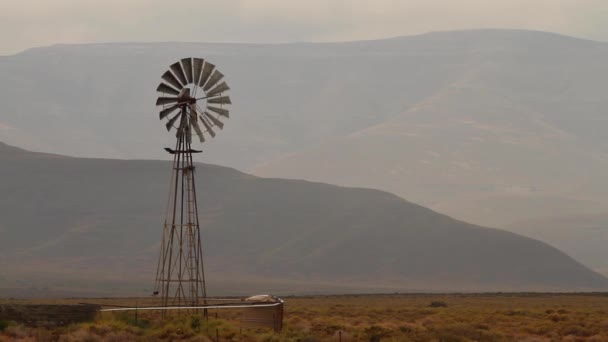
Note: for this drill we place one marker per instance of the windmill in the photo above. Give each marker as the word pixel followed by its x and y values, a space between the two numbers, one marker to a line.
pixel 193 99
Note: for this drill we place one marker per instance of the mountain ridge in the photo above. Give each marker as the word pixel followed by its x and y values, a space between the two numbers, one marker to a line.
pixel 501 100
pixel 582 236
pixel 504 32
pixel 95 224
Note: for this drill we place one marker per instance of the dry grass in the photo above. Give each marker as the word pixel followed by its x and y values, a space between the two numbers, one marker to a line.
pixel 507 317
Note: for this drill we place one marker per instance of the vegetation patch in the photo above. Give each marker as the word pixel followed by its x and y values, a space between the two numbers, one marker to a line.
pixel 491 318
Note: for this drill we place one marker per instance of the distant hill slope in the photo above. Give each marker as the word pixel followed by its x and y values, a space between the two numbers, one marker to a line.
pixel 72 224
pixel 515 129
pixel 489 126
pixel 582 236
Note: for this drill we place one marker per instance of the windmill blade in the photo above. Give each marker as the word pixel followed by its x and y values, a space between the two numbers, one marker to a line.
pixel 165 100
pixel 218 89
pixel 177 70
pixel 170 78
pixel 207 69
pixel 163 88
pixel 197 67
pixel 171 122
pixel 215 77
pixel 221 111
pixel 187 65
pixel 220 100
pixel 193 114
pixel 207 126
pixel 198 131
pixel 194 122
pixel 215 121
pixel 163 113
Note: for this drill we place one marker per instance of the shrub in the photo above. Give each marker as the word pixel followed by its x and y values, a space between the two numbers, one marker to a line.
pixel 16 331
pixel 4 324
pixel 558 318
pixel 438 304
pixel 130 319
pixel 407 329
pixel 375 333
pixel 80 336
pixel 118 336
pixel 576 330
pixel 195 323
pixel 481 326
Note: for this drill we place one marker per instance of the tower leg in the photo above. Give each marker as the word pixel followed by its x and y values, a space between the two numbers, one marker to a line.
pixel 180 276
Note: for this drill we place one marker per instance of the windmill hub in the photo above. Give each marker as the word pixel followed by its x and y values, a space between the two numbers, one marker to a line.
pixel 184 97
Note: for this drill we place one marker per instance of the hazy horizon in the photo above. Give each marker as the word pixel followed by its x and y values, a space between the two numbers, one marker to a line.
pixel 303 41
pixel 29 24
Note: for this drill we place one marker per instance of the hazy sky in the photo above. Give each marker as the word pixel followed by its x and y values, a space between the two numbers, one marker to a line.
pixel 30 23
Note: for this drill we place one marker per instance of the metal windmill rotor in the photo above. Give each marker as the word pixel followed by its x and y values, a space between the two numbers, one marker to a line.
pixel 182 83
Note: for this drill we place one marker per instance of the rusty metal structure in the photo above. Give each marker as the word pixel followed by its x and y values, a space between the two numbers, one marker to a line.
pixel 193 95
